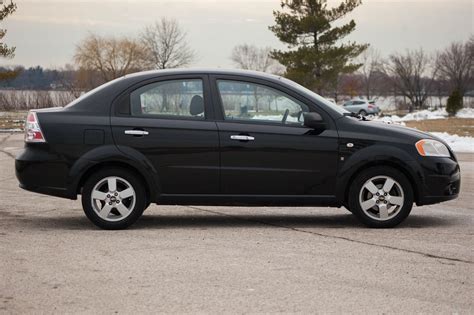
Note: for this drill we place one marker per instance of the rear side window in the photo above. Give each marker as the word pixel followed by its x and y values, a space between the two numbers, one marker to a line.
pixel 179 98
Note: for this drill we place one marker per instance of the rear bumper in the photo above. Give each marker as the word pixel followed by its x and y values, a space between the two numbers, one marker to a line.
pixel 51 191
pixel 42 172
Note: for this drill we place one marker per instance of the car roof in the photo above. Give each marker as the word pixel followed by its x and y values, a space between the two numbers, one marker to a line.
pixel 248 73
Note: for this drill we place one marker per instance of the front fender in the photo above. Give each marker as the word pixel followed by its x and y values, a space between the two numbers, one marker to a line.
pixel 377 154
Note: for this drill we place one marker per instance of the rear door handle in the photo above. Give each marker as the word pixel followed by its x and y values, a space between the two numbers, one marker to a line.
pixel 136 132
pixel 242 138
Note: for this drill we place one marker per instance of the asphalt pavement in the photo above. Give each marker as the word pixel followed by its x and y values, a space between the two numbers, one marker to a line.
pixel 231 259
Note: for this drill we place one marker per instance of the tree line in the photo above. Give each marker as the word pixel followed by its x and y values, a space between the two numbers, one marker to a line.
pixel 318 56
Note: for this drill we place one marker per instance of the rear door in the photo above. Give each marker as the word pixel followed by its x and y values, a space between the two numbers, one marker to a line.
pixel 168 121
pixel 265 149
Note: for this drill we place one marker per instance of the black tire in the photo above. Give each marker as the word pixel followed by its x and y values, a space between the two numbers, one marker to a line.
pixel 363 113
pixel 148 203
pixel 136 210
pixel 355 191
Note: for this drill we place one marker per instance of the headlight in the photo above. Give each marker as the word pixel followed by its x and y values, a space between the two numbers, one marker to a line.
pixel 429 147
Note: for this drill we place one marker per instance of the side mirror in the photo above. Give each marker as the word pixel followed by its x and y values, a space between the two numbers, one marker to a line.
pixel 314 120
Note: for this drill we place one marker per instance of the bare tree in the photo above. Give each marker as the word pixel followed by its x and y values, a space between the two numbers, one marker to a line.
pixel 110 57
pixel 370 60
pixel 413 74
pixel 456 65
pixel 250 57
pixel 166 45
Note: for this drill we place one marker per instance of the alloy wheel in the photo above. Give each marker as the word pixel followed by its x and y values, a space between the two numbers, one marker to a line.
pixel 381 198
pixel 113 198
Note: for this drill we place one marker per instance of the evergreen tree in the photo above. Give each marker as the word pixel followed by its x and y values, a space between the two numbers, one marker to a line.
pixel 315 58
pixel 454 103
pixel 6 10
pixel 5 51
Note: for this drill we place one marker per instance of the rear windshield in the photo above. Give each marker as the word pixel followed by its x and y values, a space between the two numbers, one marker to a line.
pixel 92 92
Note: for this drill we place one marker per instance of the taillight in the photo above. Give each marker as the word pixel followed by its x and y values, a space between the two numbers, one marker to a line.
pixel 371 106
pixel 33 131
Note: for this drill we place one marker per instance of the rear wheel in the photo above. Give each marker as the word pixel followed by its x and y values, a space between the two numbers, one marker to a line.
pixel 381 197
pixel 363 113
pixel 113 198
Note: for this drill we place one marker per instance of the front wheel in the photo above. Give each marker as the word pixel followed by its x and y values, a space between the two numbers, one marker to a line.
pixel 381 197
pixel 113 198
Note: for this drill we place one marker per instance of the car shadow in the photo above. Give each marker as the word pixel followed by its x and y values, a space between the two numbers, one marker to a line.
pixel 157 221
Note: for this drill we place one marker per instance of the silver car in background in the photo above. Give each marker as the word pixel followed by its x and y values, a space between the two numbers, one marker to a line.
pixel 362 107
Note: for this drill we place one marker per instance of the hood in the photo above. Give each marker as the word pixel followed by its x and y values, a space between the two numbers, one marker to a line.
pixel 380 131
pixel 402 130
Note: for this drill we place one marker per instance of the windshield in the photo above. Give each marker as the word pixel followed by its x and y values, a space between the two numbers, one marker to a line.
pixel 313 95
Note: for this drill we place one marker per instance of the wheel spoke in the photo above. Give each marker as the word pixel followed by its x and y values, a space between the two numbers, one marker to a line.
pixel 104 212
pixel 122 209
pixel 112 183
pixel 371 187
pixel 394 200
pixel 367 204
pixel 96 194
pixel 383 211
pixel 126 193
pixel 388 185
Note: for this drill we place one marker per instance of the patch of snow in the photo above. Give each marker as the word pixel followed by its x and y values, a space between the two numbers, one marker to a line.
pixel 465 113
pixel 394 119
pixel 455 142
pixel 426 114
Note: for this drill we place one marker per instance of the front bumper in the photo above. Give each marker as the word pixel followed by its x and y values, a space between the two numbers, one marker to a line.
pixel 440 180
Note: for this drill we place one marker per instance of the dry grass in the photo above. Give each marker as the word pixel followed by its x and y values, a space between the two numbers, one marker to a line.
pixel 12 120
pixel 458 126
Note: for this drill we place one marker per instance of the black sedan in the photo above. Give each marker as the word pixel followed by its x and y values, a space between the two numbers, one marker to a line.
pixel 213 137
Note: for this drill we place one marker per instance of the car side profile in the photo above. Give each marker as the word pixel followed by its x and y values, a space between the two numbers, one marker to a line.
pixel 362 107
pixel 215 137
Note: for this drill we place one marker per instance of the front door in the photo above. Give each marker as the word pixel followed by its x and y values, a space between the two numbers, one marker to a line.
pixel 166 120
pixel 265 149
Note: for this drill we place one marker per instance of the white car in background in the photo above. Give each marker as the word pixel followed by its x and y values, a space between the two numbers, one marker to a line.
pixel 362 107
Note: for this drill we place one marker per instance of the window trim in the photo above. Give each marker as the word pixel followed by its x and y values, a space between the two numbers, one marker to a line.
pixel 215 83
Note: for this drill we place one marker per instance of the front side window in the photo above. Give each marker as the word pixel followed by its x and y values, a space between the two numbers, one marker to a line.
pixel 182 98
pixel 255 102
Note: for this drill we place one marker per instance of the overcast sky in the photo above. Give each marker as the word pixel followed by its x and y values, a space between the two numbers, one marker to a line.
pixel 45 32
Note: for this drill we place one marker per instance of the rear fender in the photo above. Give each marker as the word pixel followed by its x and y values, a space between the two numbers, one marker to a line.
pixel 111 155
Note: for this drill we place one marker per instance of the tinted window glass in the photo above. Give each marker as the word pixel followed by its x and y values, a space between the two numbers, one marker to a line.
pixel 182 98
pixel 250 101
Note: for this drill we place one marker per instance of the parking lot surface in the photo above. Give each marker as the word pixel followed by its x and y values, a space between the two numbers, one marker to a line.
pixel 231 259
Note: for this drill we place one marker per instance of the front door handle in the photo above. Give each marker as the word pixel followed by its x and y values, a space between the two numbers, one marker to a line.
pixel 242 138
pixel 136 132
